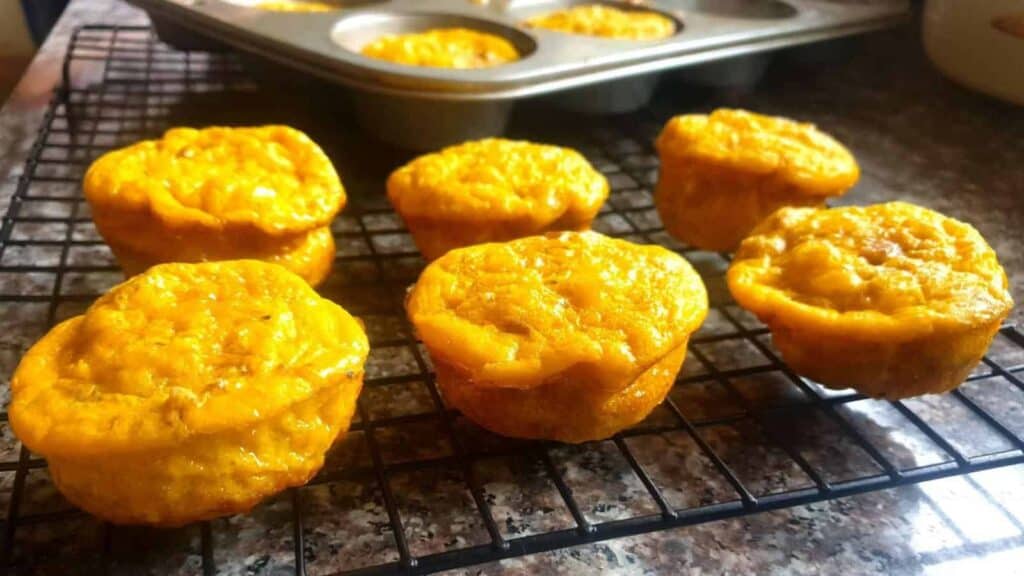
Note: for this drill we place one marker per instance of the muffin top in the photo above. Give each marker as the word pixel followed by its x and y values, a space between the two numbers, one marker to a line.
pixel 795 153
pixel 443 48
pixel 516 313
pixel 606 22
pixel 895 270
pixel 273 178
pixel 179 351
pixel 497 179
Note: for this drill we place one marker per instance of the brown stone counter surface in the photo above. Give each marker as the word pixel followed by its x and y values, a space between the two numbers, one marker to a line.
pixel 918 138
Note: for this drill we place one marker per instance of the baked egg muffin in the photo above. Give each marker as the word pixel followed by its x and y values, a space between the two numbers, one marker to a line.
pixel 606 22
pixel 569 336
pixel 492 190
pixel 443 48
pixel 218 193
pixel 893 299
pixel 724 172
pixel 190 391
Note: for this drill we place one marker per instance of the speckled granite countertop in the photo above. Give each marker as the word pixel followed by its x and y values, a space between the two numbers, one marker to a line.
pixel 918 138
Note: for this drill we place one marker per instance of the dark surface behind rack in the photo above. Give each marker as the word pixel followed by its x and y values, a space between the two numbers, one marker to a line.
pixel 415 487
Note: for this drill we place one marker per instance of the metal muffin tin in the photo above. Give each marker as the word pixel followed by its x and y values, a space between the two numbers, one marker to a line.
pixel 423 107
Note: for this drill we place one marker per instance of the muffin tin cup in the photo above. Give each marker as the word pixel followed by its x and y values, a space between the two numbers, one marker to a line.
pixel 615 97
pixel 587 74
pixel 738 72
pixel 423 124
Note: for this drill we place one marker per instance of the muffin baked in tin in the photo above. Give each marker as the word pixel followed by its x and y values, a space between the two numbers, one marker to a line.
pixel 605 21
pixel 443 48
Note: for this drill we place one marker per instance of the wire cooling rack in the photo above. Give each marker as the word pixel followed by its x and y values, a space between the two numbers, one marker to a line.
pixel 415 487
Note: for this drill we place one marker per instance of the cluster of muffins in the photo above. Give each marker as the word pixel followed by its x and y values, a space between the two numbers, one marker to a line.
pixel 893 300
pixel 537 327
pixel 216 376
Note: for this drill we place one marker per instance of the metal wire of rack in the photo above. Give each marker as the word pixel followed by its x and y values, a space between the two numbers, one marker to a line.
pixel 415 487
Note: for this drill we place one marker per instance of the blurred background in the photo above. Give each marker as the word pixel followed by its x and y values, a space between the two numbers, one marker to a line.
pixel 23 25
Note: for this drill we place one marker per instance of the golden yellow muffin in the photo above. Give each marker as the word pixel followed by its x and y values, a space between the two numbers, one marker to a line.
pixel 216 193
pixel 271 179
pixel 893 299
pixel 723 173
pixel 570 336
pixel 443 48
pixel 606 22
pixel 492 190
pixel 190 391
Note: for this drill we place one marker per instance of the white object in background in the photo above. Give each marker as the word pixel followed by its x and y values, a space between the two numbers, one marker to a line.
pixel 978 43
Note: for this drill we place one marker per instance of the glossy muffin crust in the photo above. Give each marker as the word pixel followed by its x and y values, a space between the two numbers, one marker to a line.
pixel 721 174
pixel 569 336
pixel 606 22
pixel 892 299
pixel 274 179
pixel 443 48
pixel 215 193
pixel 190 391
pixel 494 189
